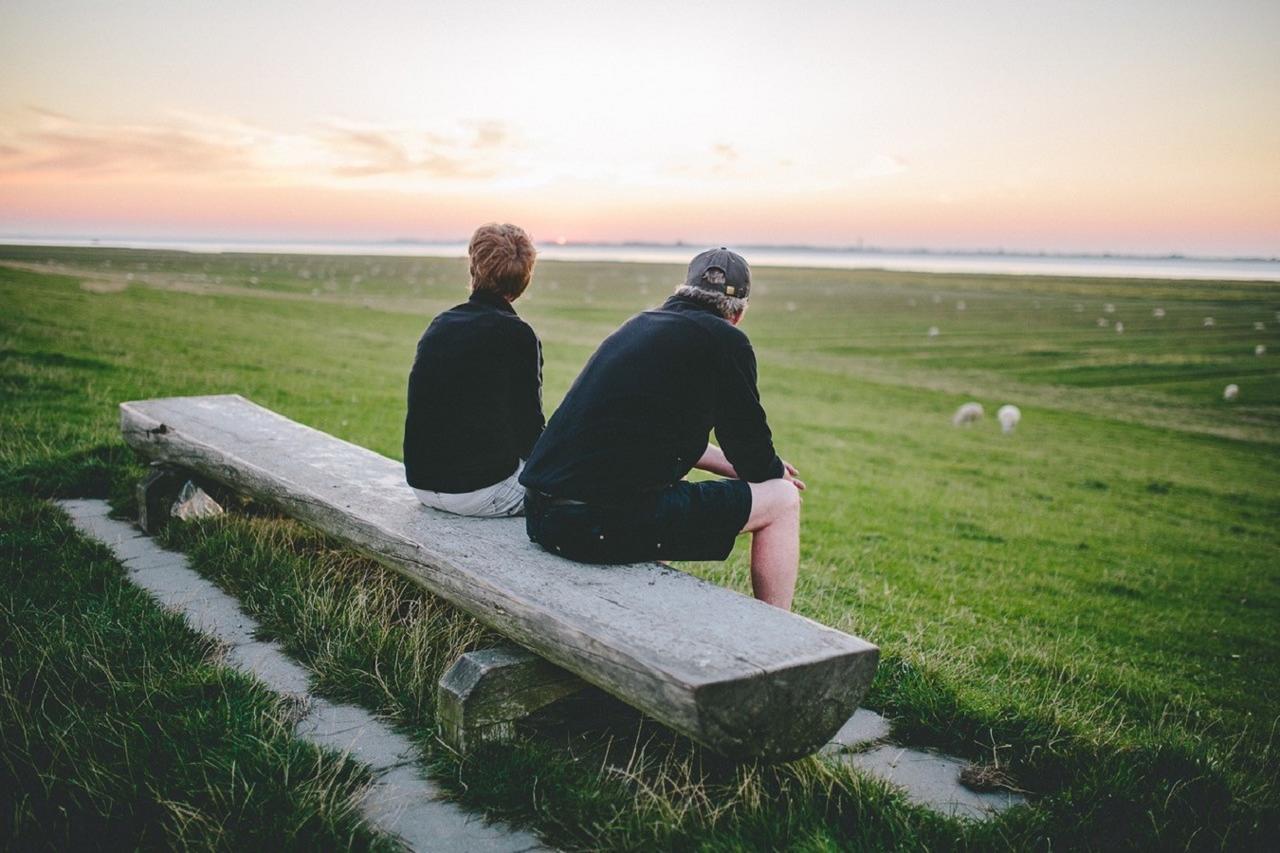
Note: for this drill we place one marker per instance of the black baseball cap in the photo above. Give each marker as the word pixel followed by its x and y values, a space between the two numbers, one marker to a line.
pixel 722 271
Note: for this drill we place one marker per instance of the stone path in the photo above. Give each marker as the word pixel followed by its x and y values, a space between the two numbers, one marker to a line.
pixel 928 778
pixel 402 800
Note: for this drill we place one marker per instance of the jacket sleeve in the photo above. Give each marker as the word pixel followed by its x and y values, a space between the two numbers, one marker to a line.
pixel 741 426
pixel 526 389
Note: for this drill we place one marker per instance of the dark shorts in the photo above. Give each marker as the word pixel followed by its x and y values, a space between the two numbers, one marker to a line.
pixel 684 521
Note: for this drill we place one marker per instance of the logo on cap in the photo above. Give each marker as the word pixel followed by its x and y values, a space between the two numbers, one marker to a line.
pixel 720 270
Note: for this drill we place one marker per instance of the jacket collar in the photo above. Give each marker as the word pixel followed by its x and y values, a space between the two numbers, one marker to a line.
pixel 684 302
pixel 493 300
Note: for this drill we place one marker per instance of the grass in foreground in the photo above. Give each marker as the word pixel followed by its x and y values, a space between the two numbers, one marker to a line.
pixel 120 729
pixel 1091 602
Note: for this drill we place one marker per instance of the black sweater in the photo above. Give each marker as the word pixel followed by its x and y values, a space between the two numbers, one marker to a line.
pixel 475 397
pixel 639 415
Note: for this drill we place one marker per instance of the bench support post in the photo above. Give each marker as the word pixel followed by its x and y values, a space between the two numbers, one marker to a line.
pixel 485 692
pixel 156 493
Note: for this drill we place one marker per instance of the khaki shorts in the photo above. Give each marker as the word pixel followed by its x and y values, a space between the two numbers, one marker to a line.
pixel 501 500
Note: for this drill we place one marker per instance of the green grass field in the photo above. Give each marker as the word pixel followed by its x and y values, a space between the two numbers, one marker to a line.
pixel 1091 603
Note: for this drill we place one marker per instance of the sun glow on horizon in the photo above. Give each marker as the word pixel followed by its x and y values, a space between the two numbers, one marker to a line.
pixel 1150 128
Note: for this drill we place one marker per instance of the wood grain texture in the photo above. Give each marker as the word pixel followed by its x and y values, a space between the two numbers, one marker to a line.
pixel 739 676
pixel 485 692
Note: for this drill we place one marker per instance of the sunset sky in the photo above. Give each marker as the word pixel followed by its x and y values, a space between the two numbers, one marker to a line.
pixel 1062 126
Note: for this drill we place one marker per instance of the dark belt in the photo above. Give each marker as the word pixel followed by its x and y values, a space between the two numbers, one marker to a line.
pixel 535 496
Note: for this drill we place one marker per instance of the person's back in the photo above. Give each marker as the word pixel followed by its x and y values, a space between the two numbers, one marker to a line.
pixel 475 389
pixel 638 416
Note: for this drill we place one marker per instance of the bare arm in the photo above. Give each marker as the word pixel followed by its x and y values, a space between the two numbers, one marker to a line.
pixel 714 461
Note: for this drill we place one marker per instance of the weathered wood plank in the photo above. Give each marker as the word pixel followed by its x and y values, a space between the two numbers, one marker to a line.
pixel 485 692
pixel 734 674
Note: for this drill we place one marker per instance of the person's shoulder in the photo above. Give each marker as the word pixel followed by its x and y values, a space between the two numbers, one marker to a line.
pixel 516 324
pixel 727 335
pixel 457 312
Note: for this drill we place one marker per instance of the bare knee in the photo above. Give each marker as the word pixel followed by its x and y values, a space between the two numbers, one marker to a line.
pixel 772 501
pixel 790 498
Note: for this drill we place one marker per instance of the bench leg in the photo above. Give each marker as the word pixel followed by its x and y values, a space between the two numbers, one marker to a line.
pixel 156 493
pixel 485 692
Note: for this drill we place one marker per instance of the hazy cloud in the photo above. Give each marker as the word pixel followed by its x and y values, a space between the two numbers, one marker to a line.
pixel 207 146
pixel 880 166
pixel 489 133
pixel 58 144
pixel 365 151
pixel 724 151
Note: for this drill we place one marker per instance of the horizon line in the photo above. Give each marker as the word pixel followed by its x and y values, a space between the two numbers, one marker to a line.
pixel 850 249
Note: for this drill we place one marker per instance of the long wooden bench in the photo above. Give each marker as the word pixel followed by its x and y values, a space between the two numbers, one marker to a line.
pixel 738 676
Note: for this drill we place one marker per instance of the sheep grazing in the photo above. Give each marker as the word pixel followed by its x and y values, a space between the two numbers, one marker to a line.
pixel 1208 322
pixel 1259 326
pixel 1158 313
pixel 933 331
pixel 967 414
pixel 1109 308
pixel 1009 415
pixel 1231 392
pixel 1102 322
pixel 960 306
pixel 1260 349
pixel 1119 327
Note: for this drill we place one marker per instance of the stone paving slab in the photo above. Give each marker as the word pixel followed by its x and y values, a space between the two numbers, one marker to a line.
pixel 268 662
pixel 932 780
pixel 353 730
pixel 82 509
pixel 106 530
pixel 434 824
pixel 154 559
pixel 927 778
pixel 207 608
pixel 864 727
pixel 401 800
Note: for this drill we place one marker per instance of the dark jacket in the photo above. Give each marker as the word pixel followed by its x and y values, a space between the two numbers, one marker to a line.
pixel 639 415
pixel 475 397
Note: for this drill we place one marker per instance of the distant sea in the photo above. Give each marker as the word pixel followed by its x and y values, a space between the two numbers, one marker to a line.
pixel 1121 266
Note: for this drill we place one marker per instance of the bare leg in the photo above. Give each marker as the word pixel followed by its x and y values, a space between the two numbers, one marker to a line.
pixel 774 526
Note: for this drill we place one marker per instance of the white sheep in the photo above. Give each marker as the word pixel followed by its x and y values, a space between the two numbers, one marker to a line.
pixel 1109 308
pixel 1158 313
pixel 1208 322
pixel 1119 327
pixel 967 414
pixel 1102 322
pixel 1259 326
pixel 933 331
pixel 1009 415
pixel 960 306
pixel 1260 349
pixel 1231 392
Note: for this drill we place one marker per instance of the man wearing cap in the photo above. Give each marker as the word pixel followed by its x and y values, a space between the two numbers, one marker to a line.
pixel 605 480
